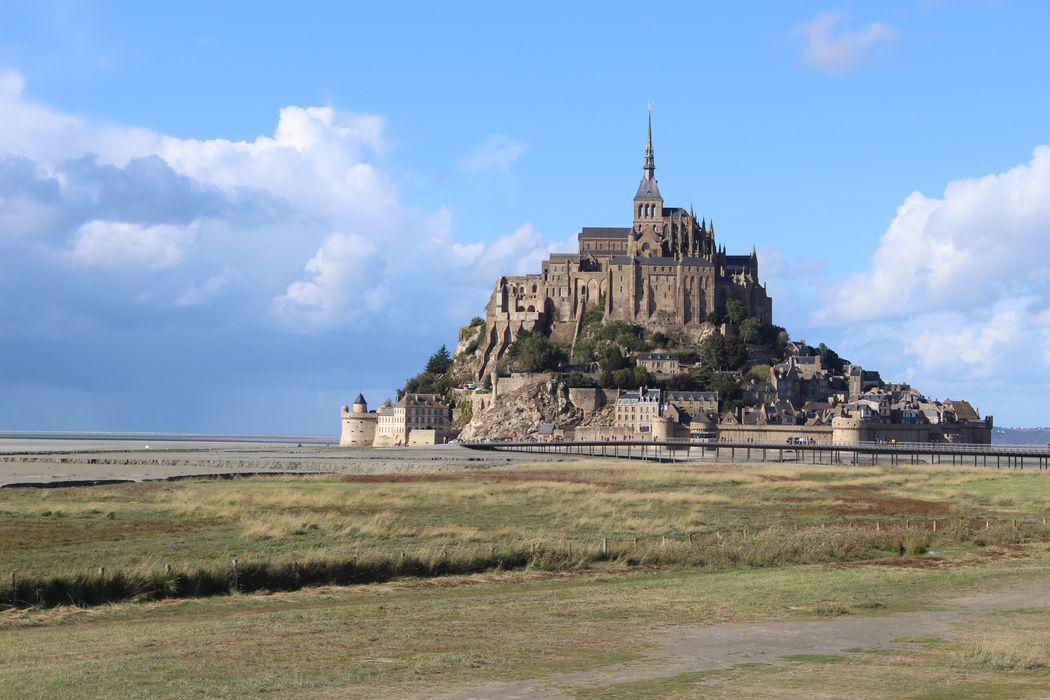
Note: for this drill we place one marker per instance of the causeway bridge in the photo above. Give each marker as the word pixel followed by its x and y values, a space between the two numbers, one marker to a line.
pixel 860 453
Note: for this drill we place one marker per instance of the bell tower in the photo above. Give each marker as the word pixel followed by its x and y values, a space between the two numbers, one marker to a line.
pixel 648 203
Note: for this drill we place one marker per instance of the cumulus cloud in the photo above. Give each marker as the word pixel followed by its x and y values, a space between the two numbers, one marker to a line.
pixel 496 154
pixel 316 231
pixel 957 296
pixel 339 288
pixel 977 243
pixel 829 44
pixel 114 244
pixel 955 344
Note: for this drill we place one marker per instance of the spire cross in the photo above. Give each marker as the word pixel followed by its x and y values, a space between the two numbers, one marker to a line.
pixel 650 162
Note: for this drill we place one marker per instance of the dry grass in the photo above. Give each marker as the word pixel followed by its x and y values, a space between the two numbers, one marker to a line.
pixel 70 531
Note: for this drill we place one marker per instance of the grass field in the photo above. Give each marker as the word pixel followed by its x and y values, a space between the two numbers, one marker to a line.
pixel 771 544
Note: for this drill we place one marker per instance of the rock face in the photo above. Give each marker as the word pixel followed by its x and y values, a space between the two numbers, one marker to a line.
pixel 519 413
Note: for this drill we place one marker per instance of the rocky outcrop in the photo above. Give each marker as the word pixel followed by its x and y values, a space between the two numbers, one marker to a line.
pixel 519 413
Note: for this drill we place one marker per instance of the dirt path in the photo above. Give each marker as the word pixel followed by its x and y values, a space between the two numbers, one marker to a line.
pixel 681 649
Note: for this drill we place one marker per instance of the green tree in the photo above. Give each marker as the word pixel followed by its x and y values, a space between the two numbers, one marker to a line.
pixel 533 352
pixel 623 379
pixel 612 359
pixel 575 380
pixel 782 340
pixel 830 360
pixel 736 352
pixel 749 330
pixel 642 377
pixel 728 388
pixel 439 362
pixel 736 310
pixel 713 351
pixel 759 373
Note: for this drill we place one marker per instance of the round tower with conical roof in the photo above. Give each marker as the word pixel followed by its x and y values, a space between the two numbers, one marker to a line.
pixel 359 426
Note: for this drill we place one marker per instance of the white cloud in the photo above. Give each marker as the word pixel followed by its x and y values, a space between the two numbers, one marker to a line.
pixel 340 288
pixel 980 242
pixel 497 154
pixel 958 345
pixel 830 45
pixel 114 244
pixel 119 200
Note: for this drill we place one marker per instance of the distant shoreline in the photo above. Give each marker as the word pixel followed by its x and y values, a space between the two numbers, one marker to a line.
pixel 169 437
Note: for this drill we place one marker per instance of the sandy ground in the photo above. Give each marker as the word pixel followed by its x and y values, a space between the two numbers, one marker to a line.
pixel 679 649
pixel 70 462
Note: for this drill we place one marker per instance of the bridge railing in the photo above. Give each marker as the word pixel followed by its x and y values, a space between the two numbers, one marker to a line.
pixel 946 448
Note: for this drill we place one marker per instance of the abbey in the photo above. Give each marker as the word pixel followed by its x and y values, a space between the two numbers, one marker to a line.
pixel 664 271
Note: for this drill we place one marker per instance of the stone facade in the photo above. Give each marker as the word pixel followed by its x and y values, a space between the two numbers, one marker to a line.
pixel 417 419
pixel 359 425
pixel 663 271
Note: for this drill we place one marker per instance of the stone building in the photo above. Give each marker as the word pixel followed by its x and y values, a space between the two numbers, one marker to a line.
pixel 658 362
pixel 359 425
pixel 417 419
pixel 664 271
pixel 638 409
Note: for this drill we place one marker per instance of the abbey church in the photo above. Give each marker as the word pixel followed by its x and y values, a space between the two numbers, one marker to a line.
pixel 665 271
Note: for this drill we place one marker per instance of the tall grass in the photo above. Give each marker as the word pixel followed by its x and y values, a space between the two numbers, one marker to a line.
pixel 763 548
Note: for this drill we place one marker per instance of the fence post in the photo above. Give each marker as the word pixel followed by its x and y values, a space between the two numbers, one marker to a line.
pixel 14 590
pixel 877 526
pixel 236 576
pixel 987 524
pixel 935 524
pixel 102 573
pixel 605 546
pixel 691 538
pixel 167 569
pixel 570 549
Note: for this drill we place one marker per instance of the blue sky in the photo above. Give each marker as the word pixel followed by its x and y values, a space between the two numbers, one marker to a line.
pixel 234 218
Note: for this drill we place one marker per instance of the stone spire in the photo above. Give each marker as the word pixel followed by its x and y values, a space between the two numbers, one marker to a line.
pixel 650 161
pixel 648 190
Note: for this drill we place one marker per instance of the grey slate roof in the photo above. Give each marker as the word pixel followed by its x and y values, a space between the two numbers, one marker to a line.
pixel 655 356
pixel 603 232
pixel 648 189
pixel 738 261
pixel 360 399
pixel 692 396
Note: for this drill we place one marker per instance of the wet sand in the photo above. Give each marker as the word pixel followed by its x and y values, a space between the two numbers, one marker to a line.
pixel 51 462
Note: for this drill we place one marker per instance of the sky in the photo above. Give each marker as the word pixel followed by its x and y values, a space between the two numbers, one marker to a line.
pixel 233 217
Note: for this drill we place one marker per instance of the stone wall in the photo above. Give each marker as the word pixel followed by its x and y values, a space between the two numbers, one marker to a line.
pixel 420 436
pixel 774 434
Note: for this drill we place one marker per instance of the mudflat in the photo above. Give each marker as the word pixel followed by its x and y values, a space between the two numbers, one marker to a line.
pixel 49 462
